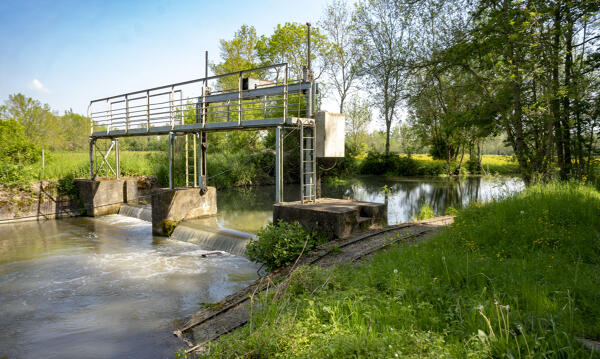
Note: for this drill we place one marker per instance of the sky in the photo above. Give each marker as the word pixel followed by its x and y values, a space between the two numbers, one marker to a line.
pixel 66 53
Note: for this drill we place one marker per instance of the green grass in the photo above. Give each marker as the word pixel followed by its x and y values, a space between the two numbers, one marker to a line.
pixel 511 279
pixel 61 164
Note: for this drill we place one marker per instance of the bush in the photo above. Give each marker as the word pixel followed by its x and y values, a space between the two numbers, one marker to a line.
pixel 426 212
pixel 278 245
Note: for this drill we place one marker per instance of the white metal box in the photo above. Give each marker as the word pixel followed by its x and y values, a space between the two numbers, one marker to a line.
pixel 331 134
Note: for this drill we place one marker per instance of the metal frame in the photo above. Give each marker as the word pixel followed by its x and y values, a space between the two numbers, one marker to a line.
pixel 125 115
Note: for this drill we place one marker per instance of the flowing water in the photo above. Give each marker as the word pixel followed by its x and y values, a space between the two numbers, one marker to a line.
pixel 105 287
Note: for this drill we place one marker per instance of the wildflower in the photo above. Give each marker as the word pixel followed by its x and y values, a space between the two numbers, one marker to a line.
pixel 395 271
pixel 480 307
pixel 390 346
pixel 395 355
pixel 435 278
pixel 522 212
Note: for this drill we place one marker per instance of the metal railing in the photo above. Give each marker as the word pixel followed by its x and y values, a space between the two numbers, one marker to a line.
pixel 254 94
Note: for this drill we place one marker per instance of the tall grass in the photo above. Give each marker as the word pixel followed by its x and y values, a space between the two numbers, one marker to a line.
pixel 61 164
pixel 517 278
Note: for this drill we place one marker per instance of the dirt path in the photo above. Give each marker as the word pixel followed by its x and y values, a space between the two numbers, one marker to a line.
pixel 233 311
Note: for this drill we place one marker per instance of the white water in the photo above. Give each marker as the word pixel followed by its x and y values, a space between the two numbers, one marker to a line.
pixel 104 288
pixel 141 212
pixel 208 235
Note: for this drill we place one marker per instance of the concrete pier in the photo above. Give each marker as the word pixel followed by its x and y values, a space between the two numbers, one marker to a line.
pixel 101 196
pixel 335 218
pixel 170 206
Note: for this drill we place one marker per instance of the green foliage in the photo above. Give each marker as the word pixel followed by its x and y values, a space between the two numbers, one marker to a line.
pixel 394 165
pixel 66 186
pixel 15 147
pixel 17 154
pixel 278 245
pixel 450 211
pixel 487 287
pixel 425 212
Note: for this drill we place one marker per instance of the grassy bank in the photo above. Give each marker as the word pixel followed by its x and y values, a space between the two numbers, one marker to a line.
pixel 516 278
pixel 225 170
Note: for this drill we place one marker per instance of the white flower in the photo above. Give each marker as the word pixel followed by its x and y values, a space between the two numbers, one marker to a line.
pixel 390 346
pixel 480 307
pixel 395 355
pixel 395 271
pixel 522 212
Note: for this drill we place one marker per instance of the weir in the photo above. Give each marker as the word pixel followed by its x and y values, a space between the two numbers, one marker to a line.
pixel 264 98
pixel 206 233
pixel 136 211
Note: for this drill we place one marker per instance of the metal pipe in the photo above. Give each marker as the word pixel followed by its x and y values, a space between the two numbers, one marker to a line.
pixel 240 80
pixel 278 166
pixel 92 143
pixel 147 110
pixel 301 162
pixel 126 114
pixel 117 159
pixel 285 92
pixel 215 77
pixel 171 160
pixel 308 39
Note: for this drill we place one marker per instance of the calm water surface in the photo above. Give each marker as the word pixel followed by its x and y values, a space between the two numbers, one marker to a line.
pixel 105 287
pixel 248 210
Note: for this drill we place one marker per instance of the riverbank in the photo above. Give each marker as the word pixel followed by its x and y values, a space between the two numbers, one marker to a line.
pixel 421 165
pixel 516 278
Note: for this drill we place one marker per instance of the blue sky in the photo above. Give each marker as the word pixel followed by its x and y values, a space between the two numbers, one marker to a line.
pixel 66 53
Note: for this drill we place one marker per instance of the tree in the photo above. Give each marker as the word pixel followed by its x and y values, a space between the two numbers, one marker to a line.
pixel 358 116
pixel 383 33
pixel 343 55
pixel 288 44
pixel 237 54
pixel 409 140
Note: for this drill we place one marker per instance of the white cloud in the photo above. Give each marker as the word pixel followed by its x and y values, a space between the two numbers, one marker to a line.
pixel 37 85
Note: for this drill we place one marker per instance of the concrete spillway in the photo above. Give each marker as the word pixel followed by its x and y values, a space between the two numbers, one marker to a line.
pixel 141 212
pixel 208 235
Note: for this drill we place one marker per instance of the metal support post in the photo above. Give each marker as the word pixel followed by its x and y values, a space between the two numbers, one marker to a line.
pixel 117 159
pixel 278 166
pixel 301 162
pixel 126 114
pixel 240 80
pixel 171 140
pixel 92 143
pixel 199 158
pixel 147 111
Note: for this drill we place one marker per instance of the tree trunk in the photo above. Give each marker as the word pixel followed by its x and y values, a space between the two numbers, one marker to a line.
pixel 566 170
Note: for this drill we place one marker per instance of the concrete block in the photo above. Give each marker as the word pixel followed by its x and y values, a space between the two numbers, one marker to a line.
pixel 171 206
pixel 130 191
pixel 335 218
pixel 101 196
pixel 331 135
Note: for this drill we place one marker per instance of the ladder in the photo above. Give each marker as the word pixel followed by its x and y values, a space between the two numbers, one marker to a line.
pixel 190 160
pixel 308 168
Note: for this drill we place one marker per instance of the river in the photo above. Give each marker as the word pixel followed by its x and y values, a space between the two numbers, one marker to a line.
pixel 105 287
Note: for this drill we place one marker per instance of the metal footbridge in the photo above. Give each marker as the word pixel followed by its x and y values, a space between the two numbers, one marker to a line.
pixel 254 99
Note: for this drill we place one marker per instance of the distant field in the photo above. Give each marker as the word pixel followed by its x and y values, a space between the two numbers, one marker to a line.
pixel 60 164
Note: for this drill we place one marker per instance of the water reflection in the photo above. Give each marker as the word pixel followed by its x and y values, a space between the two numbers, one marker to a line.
pixel 248 210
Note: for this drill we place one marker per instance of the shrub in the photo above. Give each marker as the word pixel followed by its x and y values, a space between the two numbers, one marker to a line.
pixel 278 245
pixel 426 212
